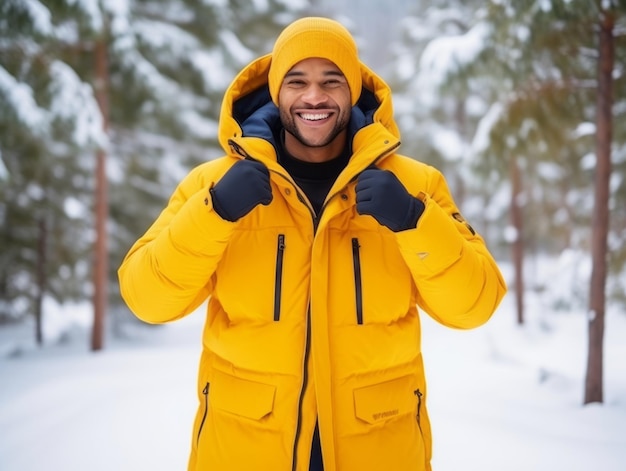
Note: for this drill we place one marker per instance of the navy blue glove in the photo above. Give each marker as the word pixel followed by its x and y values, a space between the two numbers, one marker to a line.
pixel 380 194
pixel 241 189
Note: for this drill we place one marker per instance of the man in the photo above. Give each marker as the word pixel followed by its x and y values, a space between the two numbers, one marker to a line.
pixel 315 243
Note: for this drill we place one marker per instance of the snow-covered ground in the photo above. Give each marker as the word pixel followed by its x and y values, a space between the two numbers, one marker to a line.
pixel 502 398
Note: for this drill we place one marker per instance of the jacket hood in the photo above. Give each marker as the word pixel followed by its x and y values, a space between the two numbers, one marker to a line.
pixel 249 120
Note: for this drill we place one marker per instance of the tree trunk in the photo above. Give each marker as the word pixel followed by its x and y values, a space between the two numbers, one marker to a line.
pixel 597 297
pixel 517 248
pixel 42 243
pixel 101 201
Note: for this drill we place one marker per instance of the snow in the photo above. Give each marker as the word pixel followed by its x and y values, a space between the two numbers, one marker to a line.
pixel 198 125
pixel 4 172
pixel 73 100
pixel 235 48
pixel 211 65
pixel 584 129
pixel 39 16
pixel 20 96
pixel 161 36
pixel 501 397
pixel 588 161
pixel 449 143
pixel 482 137
pixel 446 54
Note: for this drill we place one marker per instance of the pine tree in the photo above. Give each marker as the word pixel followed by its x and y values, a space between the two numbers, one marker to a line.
pixel 440 103
pixel 549 117
pixel 169 70
pixel 537 68
pixel 534 75
pixel 48 121
pixel 168 64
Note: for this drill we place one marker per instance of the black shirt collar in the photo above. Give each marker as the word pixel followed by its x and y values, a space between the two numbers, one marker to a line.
pixel 311 170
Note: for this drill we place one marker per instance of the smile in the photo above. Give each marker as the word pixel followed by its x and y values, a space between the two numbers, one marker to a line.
pixel 314 116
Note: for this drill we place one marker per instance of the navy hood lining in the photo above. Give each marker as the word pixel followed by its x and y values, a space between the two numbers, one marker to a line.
pixel 259 117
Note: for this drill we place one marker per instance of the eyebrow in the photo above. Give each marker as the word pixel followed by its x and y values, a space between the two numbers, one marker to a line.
pixel 327 73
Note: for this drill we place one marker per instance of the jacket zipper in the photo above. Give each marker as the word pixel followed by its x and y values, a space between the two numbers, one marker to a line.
pixel 305 380
pixel 205 392
pixel 278 284
pixel 307 346
pixel 358 289
pixel 419 395
pixel 355 246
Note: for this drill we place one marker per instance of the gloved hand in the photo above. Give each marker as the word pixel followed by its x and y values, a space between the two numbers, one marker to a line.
pixel 243 187
pixel 380 194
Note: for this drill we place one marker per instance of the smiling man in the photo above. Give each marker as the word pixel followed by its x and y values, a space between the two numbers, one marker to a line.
pixel 315 110
pixel 317 245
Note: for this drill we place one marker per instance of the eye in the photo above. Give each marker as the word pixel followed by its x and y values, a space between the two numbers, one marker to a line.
pixel 333 83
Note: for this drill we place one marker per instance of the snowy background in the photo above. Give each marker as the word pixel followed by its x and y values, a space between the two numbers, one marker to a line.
pixel 501 397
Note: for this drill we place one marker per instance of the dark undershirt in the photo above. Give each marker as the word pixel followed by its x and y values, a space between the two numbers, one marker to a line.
pixel 316 180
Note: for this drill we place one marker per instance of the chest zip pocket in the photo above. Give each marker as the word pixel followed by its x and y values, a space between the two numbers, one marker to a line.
pixel 278 283
pixel 358 289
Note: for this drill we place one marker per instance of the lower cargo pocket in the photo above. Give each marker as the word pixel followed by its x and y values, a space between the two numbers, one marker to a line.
pixel 242 397
pixel 242 429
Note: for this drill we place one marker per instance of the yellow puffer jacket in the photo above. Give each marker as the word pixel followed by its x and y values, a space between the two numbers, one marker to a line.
pixel 310 318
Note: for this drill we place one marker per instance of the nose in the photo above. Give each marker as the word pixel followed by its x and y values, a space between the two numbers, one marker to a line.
pixel 314 95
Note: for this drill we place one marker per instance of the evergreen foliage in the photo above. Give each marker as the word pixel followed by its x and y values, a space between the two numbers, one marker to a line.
pixel 169 62
pixel 517 81
pixel 48 122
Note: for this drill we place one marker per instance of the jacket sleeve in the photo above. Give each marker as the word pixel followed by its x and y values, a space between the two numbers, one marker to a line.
pixel 168 272
pixel 457 279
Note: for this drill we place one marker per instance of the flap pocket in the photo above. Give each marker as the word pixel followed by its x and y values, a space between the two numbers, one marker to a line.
pixel 384 401
pixel 241 396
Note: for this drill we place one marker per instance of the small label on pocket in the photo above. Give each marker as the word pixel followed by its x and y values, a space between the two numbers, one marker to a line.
pixel 385 401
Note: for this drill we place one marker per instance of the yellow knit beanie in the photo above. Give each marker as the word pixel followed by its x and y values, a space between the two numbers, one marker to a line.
pixel 315 37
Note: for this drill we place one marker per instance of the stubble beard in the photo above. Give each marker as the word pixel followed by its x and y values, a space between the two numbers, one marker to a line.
pixel 290 126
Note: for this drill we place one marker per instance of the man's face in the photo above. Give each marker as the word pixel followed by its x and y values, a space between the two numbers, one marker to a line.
pixel 314 104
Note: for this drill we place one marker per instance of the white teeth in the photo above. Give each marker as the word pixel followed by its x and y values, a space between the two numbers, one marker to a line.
pixel 314 117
